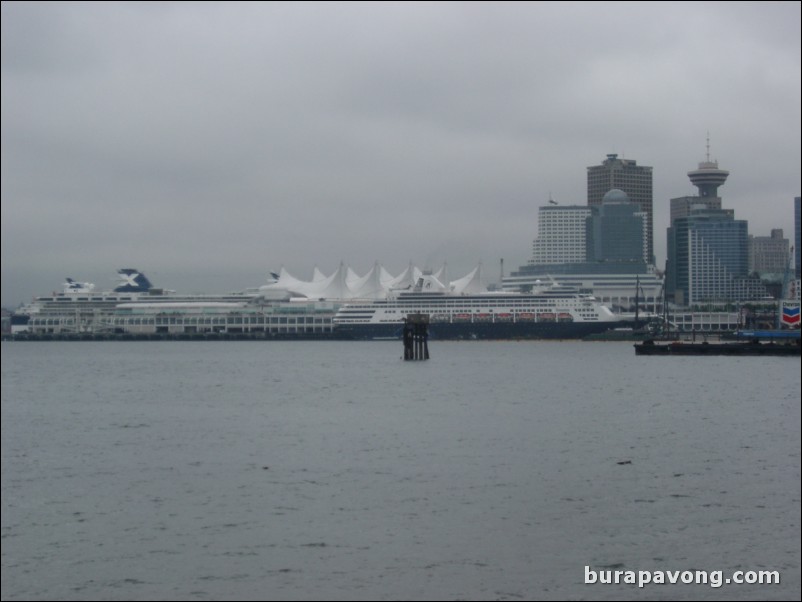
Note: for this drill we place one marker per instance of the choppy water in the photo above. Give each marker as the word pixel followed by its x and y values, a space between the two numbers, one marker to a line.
pixel 294 471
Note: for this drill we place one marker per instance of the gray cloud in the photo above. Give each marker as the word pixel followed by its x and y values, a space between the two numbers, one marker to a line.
pixel 207 144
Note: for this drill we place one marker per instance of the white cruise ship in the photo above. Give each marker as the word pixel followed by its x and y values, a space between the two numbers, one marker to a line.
pixel 136 308
pixel 549 312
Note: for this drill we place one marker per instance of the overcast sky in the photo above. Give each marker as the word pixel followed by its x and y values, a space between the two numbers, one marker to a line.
pixel 208 144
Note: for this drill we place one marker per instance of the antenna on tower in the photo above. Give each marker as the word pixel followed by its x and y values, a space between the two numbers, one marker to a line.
pixel 708 177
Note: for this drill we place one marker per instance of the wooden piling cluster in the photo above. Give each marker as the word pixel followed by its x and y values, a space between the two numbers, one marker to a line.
pixel 416 337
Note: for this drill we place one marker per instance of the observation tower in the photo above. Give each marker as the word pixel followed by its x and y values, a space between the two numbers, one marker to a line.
pixel 708 177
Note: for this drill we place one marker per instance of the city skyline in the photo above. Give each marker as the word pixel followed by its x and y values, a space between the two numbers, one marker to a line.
pixel 209 144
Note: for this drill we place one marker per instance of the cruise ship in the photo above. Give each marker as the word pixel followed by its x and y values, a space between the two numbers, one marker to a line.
pixel 550 311
pixel 138 309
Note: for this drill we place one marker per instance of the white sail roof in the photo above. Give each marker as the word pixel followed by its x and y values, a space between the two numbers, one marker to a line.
pixel 369 286
pixel 317 275
pixel 404 280
pixel 442 274
pixel 471 284
pixel 334 287
pixel 345 284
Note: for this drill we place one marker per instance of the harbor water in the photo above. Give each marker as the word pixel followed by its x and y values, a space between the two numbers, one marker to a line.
pixel 335 470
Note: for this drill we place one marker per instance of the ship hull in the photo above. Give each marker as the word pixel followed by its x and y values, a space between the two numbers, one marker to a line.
pixel 751 348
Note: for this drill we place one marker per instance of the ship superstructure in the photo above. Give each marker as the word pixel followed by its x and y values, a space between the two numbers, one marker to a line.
pixel 551 311
pixel 80 308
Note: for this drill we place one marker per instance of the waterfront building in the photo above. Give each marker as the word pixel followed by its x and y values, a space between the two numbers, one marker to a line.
pixel 708 249
pixel 617 230
pixel 706 321
pixel 709 259
pixel 598 250
pixel 682 206
pixel 561 234
pixel 626 175
pixel 769 254
pixel 797 228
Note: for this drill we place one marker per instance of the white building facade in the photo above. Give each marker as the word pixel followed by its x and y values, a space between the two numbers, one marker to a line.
pixel 561 234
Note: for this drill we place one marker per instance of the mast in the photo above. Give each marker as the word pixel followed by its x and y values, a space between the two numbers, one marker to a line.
pixel 501 281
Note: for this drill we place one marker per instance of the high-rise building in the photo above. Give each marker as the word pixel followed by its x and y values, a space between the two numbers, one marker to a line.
pixel 768 254
pixel 617 230
pixel 708 255
pixel 682 206
pixel 617 272
pixel 626 175
pixel 561 234
pixel 797 228
pixel 708 249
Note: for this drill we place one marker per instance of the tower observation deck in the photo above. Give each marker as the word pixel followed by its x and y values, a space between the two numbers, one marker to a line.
pixel 708 177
